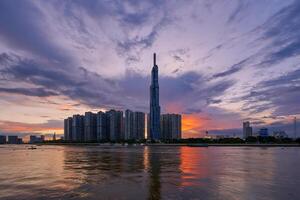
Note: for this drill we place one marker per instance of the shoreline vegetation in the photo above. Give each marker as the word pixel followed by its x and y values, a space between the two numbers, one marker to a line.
pixel 191 142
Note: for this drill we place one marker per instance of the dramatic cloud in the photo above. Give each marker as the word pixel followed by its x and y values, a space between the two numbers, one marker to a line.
pixel 280 94
pixel 219 61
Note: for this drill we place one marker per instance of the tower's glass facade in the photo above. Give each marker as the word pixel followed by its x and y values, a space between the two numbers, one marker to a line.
pixel 154 103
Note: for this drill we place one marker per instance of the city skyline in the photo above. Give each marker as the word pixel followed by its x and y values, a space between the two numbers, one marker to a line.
pixel 220 63
pixel 115 126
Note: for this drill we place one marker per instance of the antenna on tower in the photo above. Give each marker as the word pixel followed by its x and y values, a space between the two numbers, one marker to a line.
pixel 154 59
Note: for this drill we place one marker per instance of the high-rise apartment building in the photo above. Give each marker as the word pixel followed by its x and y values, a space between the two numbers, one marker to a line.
pixel 134 125
pixel 116 131
pixel 68 129
pixel 102 126
pixel 90 126
pixel 170 125
pixel 78 128
pixel 247 129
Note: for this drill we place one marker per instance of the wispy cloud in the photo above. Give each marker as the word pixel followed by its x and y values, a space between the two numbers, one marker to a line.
pixel 217 60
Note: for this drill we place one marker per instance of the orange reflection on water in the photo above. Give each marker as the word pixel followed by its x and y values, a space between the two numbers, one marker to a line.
pixel 193 166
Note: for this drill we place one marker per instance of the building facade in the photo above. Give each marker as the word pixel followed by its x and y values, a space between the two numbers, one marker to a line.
pixel 247 129
pixel 116 124
pixel 2 139
pixel 263 132
pixel 102 126
pixel 134 125
pixel 139 125
pixel 13 139
pixel 170 125
pixel 78 128
pixel 154 103
pixel 36 139
pixel 128 125
pixel 68 136
pixel 90 127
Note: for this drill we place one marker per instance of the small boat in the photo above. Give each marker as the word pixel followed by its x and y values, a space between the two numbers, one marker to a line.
pixel 32 147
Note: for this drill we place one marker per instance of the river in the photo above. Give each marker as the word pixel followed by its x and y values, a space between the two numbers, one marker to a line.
pixel 144 172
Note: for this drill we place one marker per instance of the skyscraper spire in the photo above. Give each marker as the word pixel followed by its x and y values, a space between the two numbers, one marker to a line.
pixel 154 59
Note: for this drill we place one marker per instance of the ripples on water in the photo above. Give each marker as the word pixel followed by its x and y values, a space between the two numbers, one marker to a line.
pixel 82 172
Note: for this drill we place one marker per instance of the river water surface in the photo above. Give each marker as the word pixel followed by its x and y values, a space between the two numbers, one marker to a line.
pixel 94 172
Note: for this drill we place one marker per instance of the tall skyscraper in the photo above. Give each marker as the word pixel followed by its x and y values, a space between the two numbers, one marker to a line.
pixel 154 103
pixel 247 129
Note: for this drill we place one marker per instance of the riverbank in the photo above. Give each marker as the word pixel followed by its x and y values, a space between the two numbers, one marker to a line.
pixel 171 144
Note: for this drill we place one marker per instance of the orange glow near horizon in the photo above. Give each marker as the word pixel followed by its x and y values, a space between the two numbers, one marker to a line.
pixel 192 125
pixel 20 127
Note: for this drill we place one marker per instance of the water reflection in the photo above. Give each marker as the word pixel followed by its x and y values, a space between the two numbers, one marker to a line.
pixel 194 166
pixel 154 169
pixel 93 172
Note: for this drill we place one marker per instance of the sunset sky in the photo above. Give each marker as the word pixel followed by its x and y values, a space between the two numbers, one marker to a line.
pixel 220 61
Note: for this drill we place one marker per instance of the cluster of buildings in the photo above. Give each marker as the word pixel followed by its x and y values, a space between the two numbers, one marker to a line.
pixel 115 125
pixel 262 132
pixel 36 139
pixel 11 139
pixel 118 126
pixel 248 131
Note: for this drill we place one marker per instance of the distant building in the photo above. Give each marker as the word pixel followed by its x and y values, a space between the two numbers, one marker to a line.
pixel 138 125
pixel 128 124
pixel 148 127
pixel 36 139
pixel 116 131
pixel 280 134
pixel 33 139
pixel 2 139
pixel 263 132
pixel 68 136
pixel 54 136
pixel 20 141
pixel 42 138
pixel 134 125
pixel 170 125
pixel 90 126
pixel 78 128
pixel 102 126
pixel 247 129
pixel 13 139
